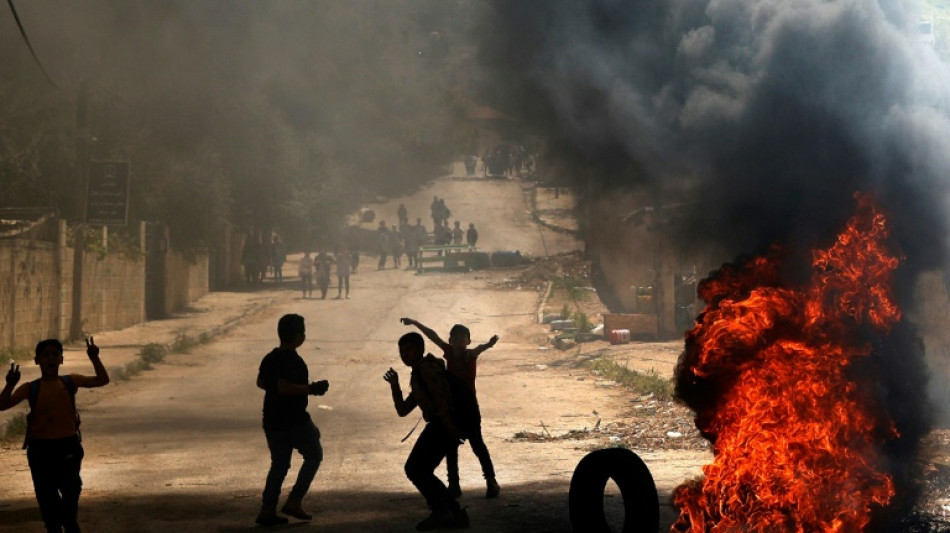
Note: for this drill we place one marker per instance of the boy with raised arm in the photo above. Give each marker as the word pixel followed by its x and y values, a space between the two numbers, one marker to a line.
pixel 446 425
pixel 461 361
pixel 53 443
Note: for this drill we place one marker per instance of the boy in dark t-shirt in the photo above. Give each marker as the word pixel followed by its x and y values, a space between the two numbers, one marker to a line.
pixel 287 425
pixel 461 362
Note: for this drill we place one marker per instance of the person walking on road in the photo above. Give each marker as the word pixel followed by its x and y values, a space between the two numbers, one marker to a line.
pixel 305 271
pixel 395 246
pixel 444 414
pixel 285 379
pixel 471 236
pixel 278 257
pixel 53 443
pixel 402 215
pixel 461 362
pixel 322 264
pixel 382 243
pixel 343 273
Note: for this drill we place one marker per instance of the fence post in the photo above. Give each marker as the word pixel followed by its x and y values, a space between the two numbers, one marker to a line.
pixel 60 270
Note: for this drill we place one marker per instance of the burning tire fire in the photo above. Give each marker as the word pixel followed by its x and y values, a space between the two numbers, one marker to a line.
pixel 788 385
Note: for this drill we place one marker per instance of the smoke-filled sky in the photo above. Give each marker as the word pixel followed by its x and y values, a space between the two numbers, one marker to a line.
pixel 267 115
pixel 776 111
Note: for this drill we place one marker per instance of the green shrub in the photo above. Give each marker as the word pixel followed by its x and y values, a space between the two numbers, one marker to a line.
pixel 15 428
pixel 16 354
pixel 566 312
pixel 183 344
pixel 637 382
pixel 153 352
pixel 582 322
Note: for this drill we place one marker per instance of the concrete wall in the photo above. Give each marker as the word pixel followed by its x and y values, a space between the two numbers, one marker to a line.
pixel 625 247
pixel 29 292
pixel 185 281
pixel 36 289
pixel 932 314
pixel 113 292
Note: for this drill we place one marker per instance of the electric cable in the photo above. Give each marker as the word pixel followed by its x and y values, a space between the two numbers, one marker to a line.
pixel 29 45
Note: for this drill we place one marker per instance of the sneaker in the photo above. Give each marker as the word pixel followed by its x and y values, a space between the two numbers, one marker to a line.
pixel 270 518
pixel 455 490
pixel 437 520
pixel 460 519
pixel 295 509
pixel 492 489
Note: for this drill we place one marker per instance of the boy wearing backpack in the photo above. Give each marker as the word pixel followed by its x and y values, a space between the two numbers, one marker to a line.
pixel 447 409
pixel 53 443
pixel 461 362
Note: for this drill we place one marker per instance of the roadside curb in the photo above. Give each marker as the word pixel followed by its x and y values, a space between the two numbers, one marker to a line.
pixel 536 214
pixel 128 359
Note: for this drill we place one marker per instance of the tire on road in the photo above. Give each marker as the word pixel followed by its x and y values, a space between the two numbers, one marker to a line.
pixel 641 503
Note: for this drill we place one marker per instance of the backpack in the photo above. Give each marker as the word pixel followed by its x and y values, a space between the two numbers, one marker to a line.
pixel 34 394
pixel 464 410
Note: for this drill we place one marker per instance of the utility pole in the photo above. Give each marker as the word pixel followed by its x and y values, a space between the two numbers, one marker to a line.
pixel 79 241
pixel 658 228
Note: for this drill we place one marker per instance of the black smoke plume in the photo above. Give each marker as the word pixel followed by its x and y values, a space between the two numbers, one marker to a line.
pixel 765 116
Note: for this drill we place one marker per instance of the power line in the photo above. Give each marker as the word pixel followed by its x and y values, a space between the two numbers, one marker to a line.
pixel 28 45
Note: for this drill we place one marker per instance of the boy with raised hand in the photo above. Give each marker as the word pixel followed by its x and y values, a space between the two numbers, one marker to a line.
pixel 53 443
pixel 461 361
pixel 444 429
pixel 287 425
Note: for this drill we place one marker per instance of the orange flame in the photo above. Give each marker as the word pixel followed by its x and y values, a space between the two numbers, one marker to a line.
pixel 796 437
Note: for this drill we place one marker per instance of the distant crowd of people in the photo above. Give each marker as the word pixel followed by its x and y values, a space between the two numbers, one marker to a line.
pixel 262 256
pixel 505 160
pixel 320 267
pixel 405 239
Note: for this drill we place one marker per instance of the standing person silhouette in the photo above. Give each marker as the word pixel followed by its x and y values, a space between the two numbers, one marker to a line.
pixel 343 270
pixel 285 379
pixel 305 271
pixel 461 362
pixel 443 409
pixel 53 443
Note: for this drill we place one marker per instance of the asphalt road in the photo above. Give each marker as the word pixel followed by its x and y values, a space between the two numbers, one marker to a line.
pixel 180 449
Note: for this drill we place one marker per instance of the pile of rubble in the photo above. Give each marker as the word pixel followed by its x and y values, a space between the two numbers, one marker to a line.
pixel 935 498
pixel 542 271
pixel 652 424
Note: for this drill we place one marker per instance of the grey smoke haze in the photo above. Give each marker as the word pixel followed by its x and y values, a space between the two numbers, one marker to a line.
pixel 270 115
pixel 764 116
pixel 772 113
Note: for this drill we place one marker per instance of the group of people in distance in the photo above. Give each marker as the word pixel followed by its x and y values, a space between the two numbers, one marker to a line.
pixel 321 266
pixel 409 238
pixel 442 388
pixel 396 241
pixel 260 255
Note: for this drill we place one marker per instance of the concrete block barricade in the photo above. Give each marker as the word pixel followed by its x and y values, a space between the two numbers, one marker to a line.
pixel 446 257
pixel 639 326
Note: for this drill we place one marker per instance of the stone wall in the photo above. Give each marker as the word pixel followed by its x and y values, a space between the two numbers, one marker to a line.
pixel 185 281
pixel 29 292
pixel 36 289
pixel 113 292
pixel 932 316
